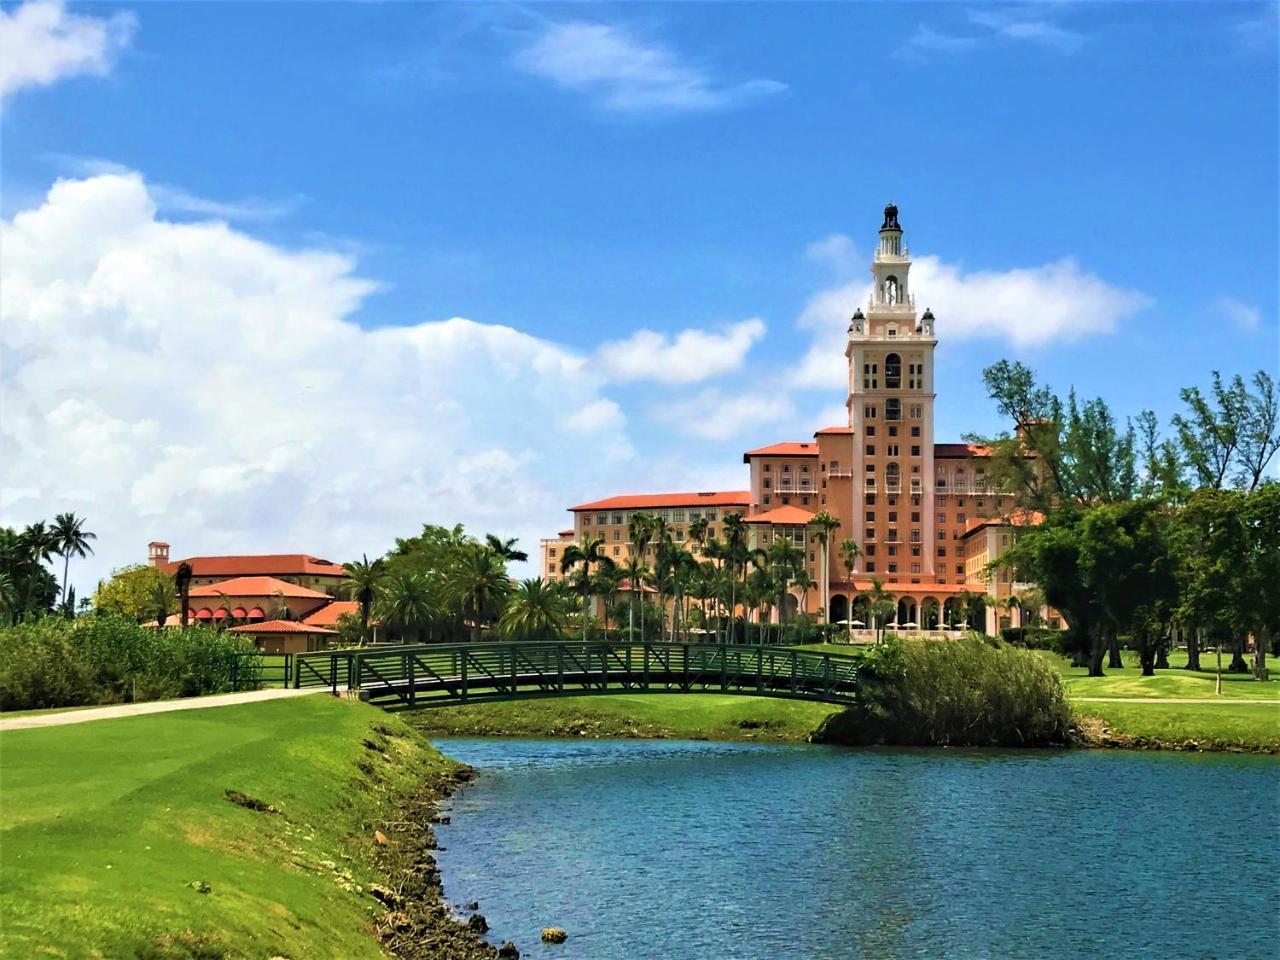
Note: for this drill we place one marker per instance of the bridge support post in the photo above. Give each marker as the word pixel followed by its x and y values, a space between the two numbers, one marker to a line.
pixel 463 658
pixel 644 684
pixel 409 672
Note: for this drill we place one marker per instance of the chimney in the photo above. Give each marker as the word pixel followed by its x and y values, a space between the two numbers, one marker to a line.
pixel 157 553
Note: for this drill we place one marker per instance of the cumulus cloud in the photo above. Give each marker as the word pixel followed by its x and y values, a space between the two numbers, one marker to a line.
pixel 1243 315
pixel 40 43
pixel 715 415
pixel 688 357
pixel 187 382
pixel 624 73
pixel 1024 306
pixel 1022 26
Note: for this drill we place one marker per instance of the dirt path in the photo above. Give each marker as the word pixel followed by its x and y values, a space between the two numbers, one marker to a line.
pixel 34 721
pixel 1221 700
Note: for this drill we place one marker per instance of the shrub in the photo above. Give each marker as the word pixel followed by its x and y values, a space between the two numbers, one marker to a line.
pixel 53 662
pixel 962 692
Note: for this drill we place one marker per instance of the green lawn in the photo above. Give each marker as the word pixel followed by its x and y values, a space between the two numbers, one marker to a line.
pixel 1174 682
pixel 109 828
pixel 676 716
pixel 1209 725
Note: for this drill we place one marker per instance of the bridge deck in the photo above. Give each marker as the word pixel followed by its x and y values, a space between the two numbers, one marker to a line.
pixel 450 674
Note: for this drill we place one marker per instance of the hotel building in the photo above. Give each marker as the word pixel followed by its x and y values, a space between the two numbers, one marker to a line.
pixel 926 520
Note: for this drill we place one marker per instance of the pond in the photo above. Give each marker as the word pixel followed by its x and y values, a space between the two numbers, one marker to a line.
pixel 666 849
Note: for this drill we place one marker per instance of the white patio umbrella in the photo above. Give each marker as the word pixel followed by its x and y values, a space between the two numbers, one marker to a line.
pixel 909 624
pixel 857 623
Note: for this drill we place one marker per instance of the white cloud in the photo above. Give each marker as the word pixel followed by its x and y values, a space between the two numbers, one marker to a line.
pixel 714 415
pixel 626 74
pixel 1243 315
pixel 40 43
pixel 1014 24
pixel 836 252
pixel 926 39
pixel 187 382
pixel 1025 306
pixel 689 357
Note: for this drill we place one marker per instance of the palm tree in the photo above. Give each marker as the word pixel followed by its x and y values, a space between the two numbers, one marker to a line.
pixel 1010 603
pixel 785 558
pixel 804 583
pixel 8 598
pixel 161 598
pixel 590 551
pixel 534 611
pixel 406 602
pixel 608 582
pixel 735 541
pixel 506 549
pixel 758 589
pixel 683 566
pixel 825 524
pixel 660 537
pixel 636 573
pixel 182 581
pixel 70 537
pixel 479 587
pixel 363 577
pixel 879 604
pixel 849 553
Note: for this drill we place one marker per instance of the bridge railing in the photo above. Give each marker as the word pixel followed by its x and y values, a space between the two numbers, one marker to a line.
pixel 422 675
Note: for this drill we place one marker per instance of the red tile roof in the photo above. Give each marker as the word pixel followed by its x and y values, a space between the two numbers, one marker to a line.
pixel 270 564
pixel 327 616
pixel 783 516
pixel 256 587
pixel 840 430
pixel 1019 518
pixel 642 501
pixel 280 626
pixel 952 450
pixel 806 449
pixel 565 533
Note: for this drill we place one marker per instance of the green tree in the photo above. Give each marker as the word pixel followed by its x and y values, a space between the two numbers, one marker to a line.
pixel 585 555
pixel 849 553
pixel 880 604
pixel 478 587
pixel 408 603
pixel 637 574
pixel 182 583
pixel 70 538
pixel 363 578
pixel 162 601
pixel 535 611
pixel 506 549
pixel 824 525
pixel 785 559
pixel 608 581
pixel 132 591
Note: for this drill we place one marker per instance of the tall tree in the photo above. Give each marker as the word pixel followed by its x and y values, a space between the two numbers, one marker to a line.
pixel 363 578
pixel 824 525
pixel 586 554
pixel 182 582
pixel 478 586
pixel 70 538
pixel 636 573
pixel 735 541
pixel 849 553
pixel 1209 431
pixel 785 559
pixel 506 549
pixel 407 602
pixel 534 611
pixel 1259 430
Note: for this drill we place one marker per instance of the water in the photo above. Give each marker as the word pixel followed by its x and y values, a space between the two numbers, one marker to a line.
pixel 661 849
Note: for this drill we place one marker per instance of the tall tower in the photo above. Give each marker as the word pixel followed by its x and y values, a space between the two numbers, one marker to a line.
pixel 890 402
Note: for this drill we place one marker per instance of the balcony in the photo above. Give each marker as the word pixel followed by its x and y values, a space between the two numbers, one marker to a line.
pixel 892 486
pixel 837 472
pixel 917 486
pixel 869 485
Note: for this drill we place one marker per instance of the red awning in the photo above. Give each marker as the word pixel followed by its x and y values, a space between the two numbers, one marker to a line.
pixel 256 612
pixel 191 615
pixel 220 613
pixel 239 613
pixel 204 614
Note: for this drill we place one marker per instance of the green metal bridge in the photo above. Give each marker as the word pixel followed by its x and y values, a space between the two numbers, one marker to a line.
pixel 437 675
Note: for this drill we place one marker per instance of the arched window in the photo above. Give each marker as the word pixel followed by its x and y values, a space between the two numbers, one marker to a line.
pixel 893 371
pixel 891 289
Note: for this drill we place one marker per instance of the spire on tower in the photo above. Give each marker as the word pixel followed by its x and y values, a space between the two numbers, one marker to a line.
pixel 890 218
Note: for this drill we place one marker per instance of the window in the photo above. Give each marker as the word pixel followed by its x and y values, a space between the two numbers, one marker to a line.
pixel 915 516
pixel 942 551
pixel 959 501
pixel 768 482
pixel 602 519
pixel 871 568
pixel 893 431
pixel 893 371
pixel 586 520
pixel 999 504
pixel 870 431
pixel 893 551
pixel 617 551
pixel 869 379
pixel 870 550
pixel 870 533
pixel 891 450
pixel 617 534
pixel 711 514
pixel 942 518
pixel 893 535
pixel 785 501
pixel 959 518
pixel 893 568
pixel 915 449
pixel 893 516
pixel 915 431
pixel 942 502
pixel 870 499
pixel 871 449
pixel 915 568
pixel 915 551
pixel 766 498
pixel 678 515
pixel 768 468
pixel 551 552
pixel 959 568
pixel 804 501
pixel 786 468
pixel 617 518
pixel 914 412
pixel 871 516
pixel 805 468
pixel 981 502
pixel 915 536
pixel 869 411
pixel 915 376
pixel 871 468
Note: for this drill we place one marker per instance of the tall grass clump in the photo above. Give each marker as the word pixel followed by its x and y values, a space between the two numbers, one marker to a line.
pixel 55 662
pixel 967 692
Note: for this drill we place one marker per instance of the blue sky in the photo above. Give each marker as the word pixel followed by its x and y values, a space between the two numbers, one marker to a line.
pixel 1093 185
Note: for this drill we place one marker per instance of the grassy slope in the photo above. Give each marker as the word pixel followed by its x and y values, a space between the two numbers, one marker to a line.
pixel 676 716
pixel 1219 726
pixel 105 824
